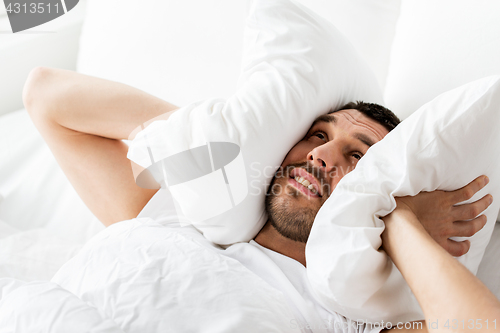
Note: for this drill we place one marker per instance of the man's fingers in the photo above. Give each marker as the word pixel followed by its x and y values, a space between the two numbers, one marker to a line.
pixel 468 191
pixel 464 229
pixel 473 209
pixel 468 228
pixel 457 249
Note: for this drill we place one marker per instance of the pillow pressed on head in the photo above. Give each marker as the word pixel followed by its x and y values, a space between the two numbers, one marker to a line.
pixel 444 145
pixel 218 157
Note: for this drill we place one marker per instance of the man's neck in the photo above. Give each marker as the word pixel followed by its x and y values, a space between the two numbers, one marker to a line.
pixel 269 237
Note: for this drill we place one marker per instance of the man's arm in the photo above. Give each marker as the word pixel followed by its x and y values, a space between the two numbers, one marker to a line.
pixel 88 104
pixel 447 292
pixel 83 120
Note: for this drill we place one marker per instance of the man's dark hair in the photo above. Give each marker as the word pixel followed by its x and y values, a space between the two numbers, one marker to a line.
pixel 380 114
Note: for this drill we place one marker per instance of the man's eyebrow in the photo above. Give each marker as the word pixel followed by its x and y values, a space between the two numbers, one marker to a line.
pixel 326 118
pixel 365 139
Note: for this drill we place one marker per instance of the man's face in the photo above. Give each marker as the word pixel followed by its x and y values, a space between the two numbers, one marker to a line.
pixel 313 167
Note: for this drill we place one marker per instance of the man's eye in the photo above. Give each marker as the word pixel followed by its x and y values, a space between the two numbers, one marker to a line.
pixel 357 156
pixel 319 135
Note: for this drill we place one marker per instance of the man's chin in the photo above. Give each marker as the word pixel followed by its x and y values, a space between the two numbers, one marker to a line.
pixel 290 217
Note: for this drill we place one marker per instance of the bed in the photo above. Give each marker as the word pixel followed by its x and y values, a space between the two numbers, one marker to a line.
pixel 189 51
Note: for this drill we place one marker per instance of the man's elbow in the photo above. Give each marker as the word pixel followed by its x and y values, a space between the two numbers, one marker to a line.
pixel 35 88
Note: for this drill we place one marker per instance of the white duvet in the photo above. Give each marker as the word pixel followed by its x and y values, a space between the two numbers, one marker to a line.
pixel 142 276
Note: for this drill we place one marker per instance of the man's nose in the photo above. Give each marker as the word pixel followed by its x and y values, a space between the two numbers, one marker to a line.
pixel 324 157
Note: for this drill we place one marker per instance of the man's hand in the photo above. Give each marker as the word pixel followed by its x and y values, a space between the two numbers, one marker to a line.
pixel 444 287
pixel 442 218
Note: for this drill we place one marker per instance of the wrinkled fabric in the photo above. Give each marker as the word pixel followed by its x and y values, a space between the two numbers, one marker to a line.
pixel 46 307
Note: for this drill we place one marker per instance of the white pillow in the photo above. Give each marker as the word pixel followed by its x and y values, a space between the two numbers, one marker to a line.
pixel 440 45
pixel 444 145
pixel 296 66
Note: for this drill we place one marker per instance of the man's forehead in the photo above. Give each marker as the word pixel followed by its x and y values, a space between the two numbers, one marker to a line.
pixel 356 118
pixel 333 117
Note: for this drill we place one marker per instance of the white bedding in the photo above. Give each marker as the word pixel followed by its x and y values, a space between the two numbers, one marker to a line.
pixel 142 276
pixel 46 307
pixel 56 307
pixel 43 224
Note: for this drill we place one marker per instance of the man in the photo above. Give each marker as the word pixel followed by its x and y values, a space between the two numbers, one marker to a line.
pixel 83 120
pixel 311 170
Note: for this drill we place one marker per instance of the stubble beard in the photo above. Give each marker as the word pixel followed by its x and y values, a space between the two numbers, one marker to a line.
pixel 289 219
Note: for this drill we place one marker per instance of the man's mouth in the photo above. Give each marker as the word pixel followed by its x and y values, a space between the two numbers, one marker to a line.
pixel 305 182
